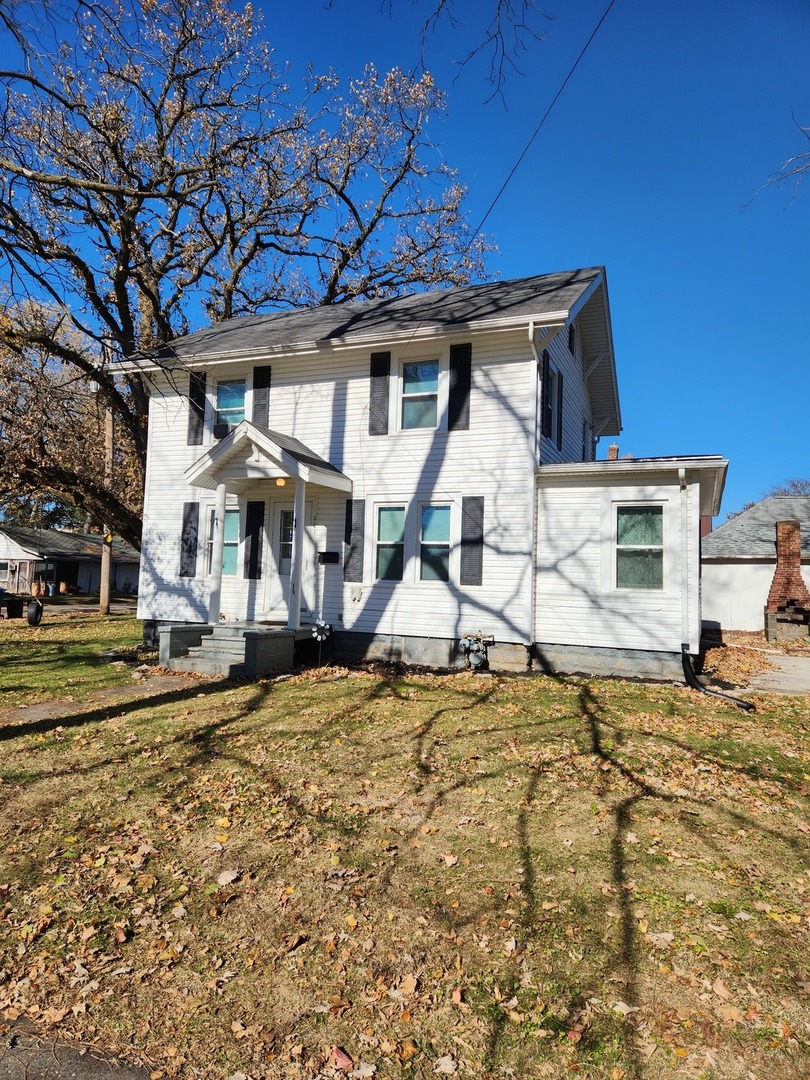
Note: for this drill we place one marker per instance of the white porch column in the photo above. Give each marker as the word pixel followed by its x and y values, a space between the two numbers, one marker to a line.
pixel 296 569
pixel 215 595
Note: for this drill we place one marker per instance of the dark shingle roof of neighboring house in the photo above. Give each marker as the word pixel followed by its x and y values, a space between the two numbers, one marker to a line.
pixel 443 309
pixel 54 544
pixel 752 534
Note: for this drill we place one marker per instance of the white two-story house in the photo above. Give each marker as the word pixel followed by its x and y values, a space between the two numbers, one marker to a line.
pixel 416 472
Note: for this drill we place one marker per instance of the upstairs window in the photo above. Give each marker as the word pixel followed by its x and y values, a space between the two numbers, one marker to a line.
pixel 434 544
pixel 640 547
pixel 551 401
pixel 420 394
pixel 230 406
pixel 390 561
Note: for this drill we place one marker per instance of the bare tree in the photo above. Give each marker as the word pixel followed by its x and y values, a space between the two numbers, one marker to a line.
pixel 795 486
pixel 52 464
pixel 793 170
pixel 157 172
pixel 508 30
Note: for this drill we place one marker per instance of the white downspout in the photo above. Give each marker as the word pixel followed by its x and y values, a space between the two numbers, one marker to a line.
pixel 294 606
pixel 217 547
pixel 684 561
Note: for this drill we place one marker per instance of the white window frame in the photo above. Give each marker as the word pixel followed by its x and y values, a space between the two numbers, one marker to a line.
pixel 655 495
pixel 638 504
pixel 398 395
pixel 214 404
pixel 412 506
pixel 420 543
pixel 390 504
pixel 228 544
pixel 4 571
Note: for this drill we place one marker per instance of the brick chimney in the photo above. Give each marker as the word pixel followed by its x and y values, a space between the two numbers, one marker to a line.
pixel 788 587
pixel 613 452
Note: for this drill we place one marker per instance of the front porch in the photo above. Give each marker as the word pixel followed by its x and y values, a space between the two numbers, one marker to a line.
pixel 276 546
pixel 235 650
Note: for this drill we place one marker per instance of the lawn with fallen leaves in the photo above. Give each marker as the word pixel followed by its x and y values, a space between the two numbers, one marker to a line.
pixel 375 874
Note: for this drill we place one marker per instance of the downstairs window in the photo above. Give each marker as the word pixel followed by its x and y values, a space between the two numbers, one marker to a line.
pixel 640 547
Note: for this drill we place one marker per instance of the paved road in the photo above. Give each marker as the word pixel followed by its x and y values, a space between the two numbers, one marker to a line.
pixel 27 1055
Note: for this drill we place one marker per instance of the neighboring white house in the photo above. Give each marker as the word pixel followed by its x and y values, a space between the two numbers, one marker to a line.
pixel 417 471
pixel 52 558
pixel 739 559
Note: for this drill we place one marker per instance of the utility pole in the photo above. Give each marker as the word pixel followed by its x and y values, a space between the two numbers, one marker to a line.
pixel 106 541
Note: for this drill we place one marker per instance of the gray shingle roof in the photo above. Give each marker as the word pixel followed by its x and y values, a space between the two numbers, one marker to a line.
pixel 752 534
pixel 300 452
pixel 442 309
pixel 53 544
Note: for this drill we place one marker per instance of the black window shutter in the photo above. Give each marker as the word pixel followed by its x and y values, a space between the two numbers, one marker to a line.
pixel 559 409
pixel 261 396
pixel 458 413
pixel 572 338
pixel 196 408
pixel 472 540
pixel 189 539
pixel 355 522
pixel 254 531
pixel 378 400
pixel 545 397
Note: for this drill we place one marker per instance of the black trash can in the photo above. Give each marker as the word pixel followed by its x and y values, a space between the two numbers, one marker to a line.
pixel 14 607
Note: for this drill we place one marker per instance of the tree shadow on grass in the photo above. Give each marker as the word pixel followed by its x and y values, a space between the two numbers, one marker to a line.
pixel 584 716
pixel 99 713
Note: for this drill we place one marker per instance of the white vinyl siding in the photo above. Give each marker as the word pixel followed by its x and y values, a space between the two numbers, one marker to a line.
pixel 576 406
pixel 322 399
pixel 577 599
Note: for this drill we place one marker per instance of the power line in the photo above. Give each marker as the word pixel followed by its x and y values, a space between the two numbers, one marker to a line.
pixel 543 119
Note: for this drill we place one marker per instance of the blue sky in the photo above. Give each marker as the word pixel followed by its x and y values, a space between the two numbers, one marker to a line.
pixel 649 164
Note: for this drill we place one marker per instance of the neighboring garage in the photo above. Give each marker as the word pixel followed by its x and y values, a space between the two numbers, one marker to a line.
pixel 739 562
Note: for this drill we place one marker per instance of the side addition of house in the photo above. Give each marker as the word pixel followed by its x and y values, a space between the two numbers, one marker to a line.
pixel 415 472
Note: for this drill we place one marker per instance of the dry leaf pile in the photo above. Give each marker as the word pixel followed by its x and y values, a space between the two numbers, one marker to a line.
pixel 734 665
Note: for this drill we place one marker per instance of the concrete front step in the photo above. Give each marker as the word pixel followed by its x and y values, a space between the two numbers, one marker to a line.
pixel 248 650
pixel 215 646
pixel 208 666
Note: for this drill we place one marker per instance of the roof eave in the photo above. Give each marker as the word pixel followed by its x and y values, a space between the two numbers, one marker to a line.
pixel 714 468
pixel 152 364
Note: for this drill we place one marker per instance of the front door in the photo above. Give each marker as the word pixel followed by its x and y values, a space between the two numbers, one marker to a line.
pixel 281 549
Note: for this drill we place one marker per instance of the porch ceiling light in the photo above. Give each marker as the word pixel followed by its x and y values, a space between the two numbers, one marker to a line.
pixel 280 481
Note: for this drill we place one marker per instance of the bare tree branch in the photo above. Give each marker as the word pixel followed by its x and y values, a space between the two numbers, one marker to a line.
pixel 157 172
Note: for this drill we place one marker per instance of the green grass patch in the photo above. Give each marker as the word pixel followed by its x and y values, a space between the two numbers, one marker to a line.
pixel 66 655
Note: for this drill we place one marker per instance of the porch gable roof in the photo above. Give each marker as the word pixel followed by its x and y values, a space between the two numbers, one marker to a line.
pixel 250 454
